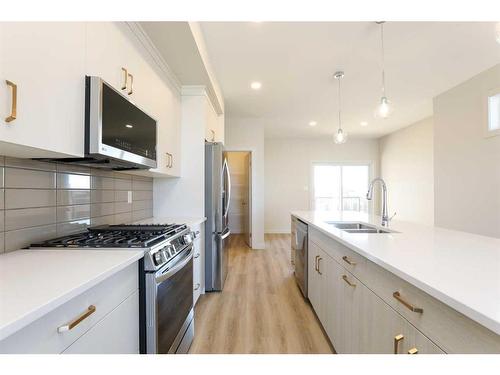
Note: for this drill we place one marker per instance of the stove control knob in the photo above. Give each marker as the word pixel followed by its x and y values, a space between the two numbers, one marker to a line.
pixel 188 239
pixel 170 250
pixel 165 254
pixel 158 258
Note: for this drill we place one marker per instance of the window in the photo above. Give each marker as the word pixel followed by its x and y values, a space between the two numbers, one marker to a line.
pixel 493 112
pixel 340 187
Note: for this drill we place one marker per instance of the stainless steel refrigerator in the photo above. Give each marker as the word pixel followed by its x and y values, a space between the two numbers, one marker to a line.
pixel 217 198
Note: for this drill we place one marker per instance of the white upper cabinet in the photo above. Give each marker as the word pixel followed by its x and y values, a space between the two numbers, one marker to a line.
pixel 116 55
pixel 42 88
pixel 214 130
pixel 45 62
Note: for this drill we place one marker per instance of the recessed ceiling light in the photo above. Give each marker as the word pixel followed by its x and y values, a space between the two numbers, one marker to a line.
pixel 313 123
pixel 256 85
pixel 363 123
pixel 129 126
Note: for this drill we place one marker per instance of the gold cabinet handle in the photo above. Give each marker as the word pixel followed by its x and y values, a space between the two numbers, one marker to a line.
pixel 397 340
pixel 197 256
pixel 90 310
pixel 413 351
pixel 125 79
pixel 316 263
pixel 319 259
pixel 348 261
pixel 344 277
pixel 13 110
pixel 197 286
pixel 408 305
pixel 131 91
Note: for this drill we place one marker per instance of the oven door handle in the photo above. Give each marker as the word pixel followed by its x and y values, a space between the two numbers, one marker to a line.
pixel 171 272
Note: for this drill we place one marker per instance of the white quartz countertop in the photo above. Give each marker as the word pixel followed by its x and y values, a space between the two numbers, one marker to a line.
pixel 35 282
pixel 460 269
pixel 189 221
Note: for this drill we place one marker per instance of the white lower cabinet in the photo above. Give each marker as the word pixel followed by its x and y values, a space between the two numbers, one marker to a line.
pixel 356 319
pixel 116 333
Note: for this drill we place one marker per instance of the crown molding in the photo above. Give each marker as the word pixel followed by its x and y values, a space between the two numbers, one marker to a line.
pixel 195 90
pixel 148 44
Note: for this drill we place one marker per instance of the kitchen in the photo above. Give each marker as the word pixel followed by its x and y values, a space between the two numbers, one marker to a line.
pixel 209 188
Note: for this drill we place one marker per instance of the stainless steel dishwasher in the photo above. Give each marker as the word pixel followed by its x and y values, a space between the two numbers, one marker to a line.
pixel 299 253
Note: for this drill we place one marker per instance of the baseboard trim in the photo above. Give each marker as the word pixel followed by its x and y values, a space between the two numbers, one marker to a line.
pixel 278 231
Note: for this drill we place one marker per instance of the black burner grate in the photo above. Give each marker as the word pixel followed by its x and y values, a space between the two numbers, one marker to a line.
pixel 116 236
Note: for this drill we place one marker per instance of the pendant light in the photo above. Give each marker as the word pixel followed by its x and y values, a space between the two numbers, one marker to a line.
pixel 340 136
pixel 384 108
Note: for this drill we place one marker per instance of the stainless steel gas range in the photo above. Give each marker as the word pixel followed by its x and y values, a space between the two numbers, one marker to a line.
pixel 165 278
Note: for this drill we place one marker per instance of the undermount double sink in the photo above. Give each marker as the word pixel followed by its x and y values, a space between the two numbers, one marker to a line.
pixel 357 227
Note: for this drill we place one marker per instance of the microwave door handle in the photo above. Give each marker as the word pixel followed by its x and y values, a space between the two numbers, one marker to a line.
pixel 171 272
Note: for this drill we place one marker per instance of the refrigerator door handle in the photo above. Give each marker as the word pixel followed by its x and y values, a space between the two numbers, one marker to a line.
pixel 225 169
pixel 225 234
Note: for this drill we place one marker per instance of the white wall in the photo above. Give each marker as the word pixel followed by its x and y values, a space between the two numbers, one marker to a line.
pixel 244 134
pixel 466 163
pixel 185 196
pixel 288 164
pixel 406 165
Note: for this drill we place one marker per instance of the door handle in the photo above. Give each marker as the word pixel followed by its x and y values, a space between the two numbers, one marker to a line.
pixel 397 340
pixel 344 277
pixel 408 305
pixel 197 255
pixel 169 160
pixel 316 263
pixel 125 79
pixel 131 91
pixel 197 286
pixel 225 235
pixel 319 259
pixel 13 109
pixel 348 261
pixel 90 310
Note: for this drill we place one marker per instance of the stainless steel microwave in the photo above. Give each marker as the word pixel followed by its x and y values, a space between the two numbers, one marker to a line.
pixel 118 134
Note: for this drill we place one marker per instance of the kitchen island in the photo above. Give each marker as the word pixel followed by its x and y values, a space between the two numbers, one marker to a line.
pixel 416 264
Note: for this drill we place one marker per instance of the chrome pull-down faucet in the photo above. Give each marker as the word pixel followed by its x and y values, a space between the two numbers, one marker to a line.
pixel 369 196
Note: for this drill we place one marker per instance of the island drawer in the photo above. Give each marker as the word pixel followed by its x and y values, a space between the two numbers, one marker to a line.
pixel 448 328
pixel 347 258
pixel 45 335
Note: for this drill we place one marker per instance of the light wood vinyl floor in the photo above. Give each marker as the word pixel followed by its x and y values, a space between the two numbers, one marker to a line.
pixel 261 309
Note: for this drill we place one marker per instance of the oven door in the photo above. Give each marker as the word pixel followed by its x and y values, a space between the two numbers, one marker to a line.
pixel 169 305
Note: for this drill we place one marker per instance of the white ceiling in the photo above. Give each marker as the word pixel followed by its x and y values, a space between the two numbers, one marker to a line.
pixel 295 62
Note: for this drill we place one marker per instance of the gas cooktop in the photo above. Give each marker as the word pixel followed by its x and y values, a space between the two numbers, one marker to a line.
pixel 141 236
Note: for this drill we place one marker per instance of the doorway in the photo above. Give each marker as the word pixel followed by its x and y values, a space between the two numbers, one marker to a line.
pixel 240 203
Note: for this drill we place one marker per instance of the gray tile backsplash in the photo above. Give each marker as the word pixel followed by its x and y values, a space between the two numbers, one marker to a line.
pixel 40 200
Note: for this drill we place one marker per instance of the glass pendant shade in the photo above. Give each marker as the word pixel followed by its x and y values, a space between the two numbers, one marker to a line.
pixel 384 109
pixel 340 136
